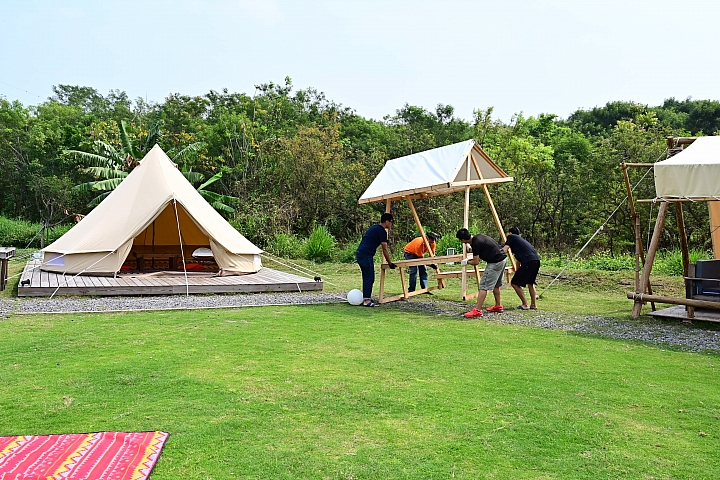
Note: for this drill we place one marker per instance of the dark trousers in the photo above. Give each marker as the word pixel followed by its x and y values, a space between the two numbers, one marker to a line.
pixel 414 273
pixel 367 267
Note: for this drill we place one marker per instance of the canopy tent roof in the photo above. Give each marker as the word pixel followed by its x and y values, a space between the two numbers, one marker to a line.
pixel 434 172
pixel 692 173
pixel 154 194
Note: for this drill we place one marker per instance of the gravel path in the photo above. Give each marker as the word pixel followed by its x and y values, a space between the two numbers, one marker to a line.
pixel 696 337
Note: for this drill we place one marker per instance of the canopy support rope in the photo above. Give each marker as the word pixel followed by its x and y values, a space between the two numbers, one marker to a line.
pixel 594 235
pixel 80 273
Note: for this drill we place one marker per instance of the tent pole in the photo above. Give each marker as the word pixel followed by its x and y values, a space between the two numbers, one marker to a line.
pixel 637 307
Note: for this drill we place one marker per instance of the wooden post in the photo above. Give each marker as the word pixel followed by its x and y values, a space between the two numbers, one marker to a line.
pixel 5 254
pixel 654 242
pixel 466 223
pixel 683 237
pixel 639 250
pixel 441 282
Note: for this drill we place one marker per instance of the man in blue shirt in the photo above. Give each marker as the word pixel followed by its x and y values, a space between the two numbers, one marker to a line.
pixel 375 236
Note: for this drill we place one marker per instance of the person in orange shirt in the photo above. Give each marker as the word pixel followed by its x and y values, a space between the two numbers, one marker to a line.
pixel 417 249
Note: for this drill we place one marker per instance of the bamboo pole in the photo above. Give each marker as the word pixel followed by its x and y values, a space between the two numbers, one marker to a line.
pixel 639 250
pixel 637 307
pixel 643 297
pixel 683 237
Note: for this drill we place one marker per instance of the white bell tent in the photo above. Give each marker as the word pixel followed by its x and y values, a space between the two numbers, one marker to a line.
pixel 154 208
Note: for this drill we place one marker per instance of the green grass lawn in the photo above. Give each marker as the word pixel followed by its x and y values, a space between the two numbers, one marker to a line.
pixel 334 391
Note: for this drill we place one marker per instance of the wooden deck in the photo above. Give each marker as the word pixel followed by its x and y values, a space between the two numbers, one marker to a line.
pixel 45 284
pixel 678 313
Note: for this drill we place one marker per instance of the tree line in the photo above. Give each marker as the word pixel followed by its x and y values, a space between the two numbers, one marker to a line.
pixel 290 160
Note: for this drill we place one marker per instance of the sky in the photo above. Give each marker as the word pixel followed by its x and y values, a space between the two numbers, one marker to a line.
pixel 374 56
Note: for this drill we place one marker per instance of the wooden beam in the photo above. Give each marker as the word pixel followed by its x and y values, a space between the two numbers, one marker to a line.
pixel 643 297
pixel 434 190
pixel 638 164
pixel 652 250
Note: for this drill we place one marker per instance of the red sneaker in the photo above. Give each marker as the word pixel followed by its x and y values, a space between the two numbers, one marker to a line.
pixel 496 309
pixel 473 313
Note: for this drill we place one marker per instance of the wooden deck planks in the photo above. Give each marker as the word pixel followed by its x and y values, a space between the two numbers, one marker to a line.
pixel 266 280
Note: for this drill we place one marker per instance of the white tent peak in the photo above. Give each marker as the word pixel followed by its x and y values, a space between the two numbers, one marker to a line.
pixel 441 170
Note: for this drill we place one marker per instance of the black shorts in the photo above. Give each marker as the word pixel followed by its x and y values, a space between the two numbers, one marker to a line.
pixel 527 273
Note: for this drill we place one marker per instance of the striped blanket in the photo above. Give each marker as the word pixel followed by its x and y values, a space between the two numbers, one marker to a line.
pixel 87 456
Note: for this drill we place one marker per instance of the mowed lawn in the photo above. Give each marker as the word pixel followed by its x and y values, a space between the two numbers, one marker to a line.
pixel 334 391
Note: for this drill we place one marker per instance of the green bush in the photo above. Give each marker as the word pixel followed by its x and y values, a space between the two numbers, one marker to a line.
pixel 319 247
pixel 448 241
pixel 604 261
pixel 286 246
pixel 347 253
pixel 670 263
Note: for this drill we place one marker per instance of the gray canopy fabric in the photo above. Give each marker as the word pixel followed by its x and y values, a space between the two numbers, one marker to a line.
pixel 154 205
pixel 692 173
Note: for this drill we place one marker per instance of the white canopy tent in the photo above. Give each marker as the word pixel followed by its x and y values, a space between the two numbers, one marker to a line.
pixel 454 168
pixel 155 207
pixel 435 172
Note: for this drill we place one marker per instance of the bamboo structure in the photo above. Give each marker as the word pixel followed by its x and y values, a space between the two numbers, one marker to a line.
pixel 643 291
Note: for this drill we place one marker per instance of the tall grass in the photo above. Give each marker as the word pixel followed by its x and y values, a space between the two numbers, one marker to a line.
pixel 286 246
pixel 320 245
pixel 22 233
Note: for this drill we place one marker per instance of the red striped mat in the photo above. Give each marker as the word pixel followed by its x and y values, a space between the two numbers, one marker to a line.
pixel 87 456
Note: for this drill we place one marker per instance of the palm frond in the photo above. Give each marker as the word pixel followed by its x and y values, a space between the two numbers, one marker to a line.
pixel 211 180
pixel 96 201
pixel 105 172
pixel 180 157
pixel 90 159
pixel 194 177
pixel 216 197
pixel 154 135
pixel 126 141
pixel 84 187
pixel 113 156
pixel 109 184
pixel 222 207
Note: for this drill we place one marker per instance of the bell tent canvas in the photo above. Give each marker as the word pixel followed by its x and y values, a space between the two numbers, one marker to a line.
pixel 154 209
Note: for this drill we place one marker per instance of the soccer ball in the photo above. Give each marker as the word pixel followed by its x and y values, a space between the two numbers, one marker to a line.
pixel 355 297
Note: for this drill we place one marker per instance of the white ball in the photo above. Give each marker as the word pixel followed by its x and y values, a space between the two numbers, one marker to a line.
pixel 355 297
